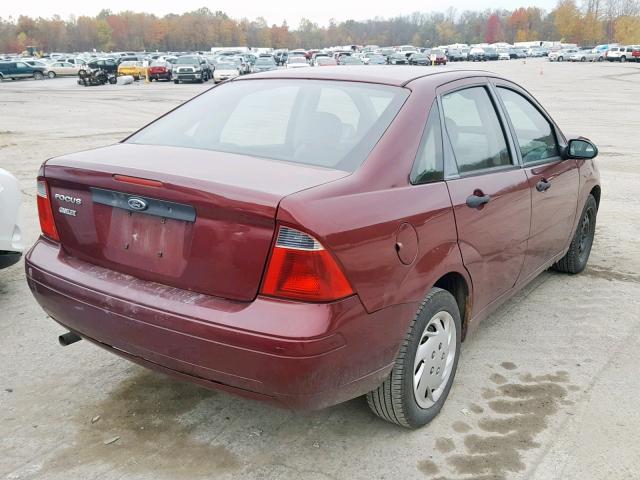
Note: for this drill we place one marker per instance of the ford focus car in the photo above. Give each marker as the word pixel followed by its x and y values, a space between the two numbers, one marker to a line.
pixel 308 236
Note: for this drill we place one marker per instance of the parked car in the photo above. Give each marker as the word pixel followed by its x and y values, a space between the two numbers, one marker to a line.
pixel 281 57
pixel 61 69
pixel 225 242
pixel 476 54
pixel 407 50
pixel 316 56
pixel 11 242
pixel 297 62
pixel 561 55
pixel 376 59
pixel 135 69
pixel 19 70
pixel 345 60
pixel 191 68
pixel 419 59
pixel 620 54
pixel 36 63
pixel 160 70
pixel 635 53
pixel 264 64
pixel 517 53
pixel 504 55
pixel 325 62
pixel 398 59
pixel 490 53
pixel 457 54
pixel 440 57
pixel 225 69
pixel 584 55
pixel 107 65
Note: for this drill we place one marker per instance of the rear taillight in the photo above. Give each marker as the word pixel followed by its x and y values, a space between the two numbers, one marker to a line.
pixel 47 224
pixel 301 269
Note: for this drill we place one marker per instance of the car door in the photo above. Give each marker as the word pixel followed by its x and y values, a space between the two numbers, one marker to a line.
pixel 554 182
pixel 489 191
pixel 23 70
pixel 67 69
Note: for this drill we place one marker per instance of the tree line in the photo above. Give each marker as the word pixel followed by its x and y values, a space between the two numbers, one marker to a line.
pixel 591 22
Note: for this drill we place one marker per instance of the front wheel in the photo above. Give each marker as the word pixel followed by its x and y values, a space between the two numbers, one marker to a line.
pixel 51 74
pixel 623 59
pixel 423 373
pixel 577 256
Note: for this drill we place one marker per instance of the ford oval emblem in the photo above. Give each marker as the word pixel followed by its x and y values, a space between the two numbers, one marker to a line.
pixel 137 204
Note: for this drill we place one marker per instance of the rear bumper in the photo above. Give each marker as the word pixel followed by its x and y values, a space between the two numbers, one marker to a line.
pixel 293 354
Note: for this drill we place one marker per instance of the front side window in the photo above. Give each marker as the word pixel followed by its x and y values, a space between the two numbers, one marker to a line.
pixel 474 130
pixel 428 165
pixel 534 133
pixel 326 123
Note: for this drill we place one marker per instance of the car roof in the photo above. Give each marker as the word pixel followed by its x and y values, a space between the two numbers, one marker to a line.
pixel 384 74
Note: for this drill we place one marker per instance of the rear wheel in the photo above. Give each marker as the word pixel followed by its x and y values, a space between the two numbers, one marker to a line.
pixel 51 74
pixel 577 256
pixel 423 373
pixel 560 59
pixel 38 75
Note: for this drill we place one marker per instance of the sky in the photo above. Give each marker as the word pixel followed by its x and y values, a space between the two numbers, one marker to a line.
pixel 274 11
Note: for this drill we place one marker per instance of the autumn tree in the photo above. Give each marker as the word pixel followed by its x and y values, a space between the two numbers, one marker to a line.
pixel 493 29
pixel 567 20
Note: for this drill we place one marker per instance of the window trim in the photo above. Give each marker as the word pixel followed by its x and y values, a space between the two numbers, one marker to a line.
pixel 434 104
pixel 559 137
pixel 449 155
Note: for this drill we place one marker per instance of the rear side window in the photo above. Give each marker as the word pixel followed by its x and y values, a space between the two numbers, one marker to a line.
pixel 326 123
pixel 428 165
pixel 474 130
pixel 534 133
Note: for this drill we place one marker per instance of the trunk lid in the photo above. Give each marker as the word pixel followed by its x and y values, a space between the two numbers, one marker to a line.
pixel 204 223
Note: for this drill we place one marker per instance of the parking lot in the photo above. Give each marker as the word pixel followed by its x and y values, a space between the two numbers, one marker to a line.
pixel 547 387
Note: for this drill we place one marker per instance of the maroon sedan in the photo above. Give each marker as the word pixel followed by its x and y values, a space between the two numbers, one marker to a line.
pixel 306 237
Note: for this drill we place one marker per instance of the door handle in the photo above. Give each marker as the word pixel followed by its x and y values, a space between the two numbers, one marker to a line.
pixel 476 201
pixel 543 185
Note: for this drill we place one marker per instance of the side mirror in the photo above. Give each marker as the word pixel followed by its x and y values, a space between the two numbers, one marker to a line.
pixel 581 149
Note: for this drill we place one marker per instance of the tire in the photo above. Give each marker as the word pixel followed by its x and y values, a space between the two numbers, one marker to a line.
pixel 577 256
pixel 38 75
pixel 583 59
pixel 176 82
pixel 395 400
pixel 81 73
pixel 559 59
pixel 51 74
pixel 623 59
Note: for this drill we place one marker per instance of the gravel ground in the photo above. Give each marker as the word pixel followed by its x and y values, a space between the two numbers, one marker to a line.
pixel 547 387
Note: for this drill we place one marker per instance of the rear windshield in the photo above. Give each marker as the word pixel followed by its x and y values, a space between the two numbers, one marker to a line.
pixel 325 123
